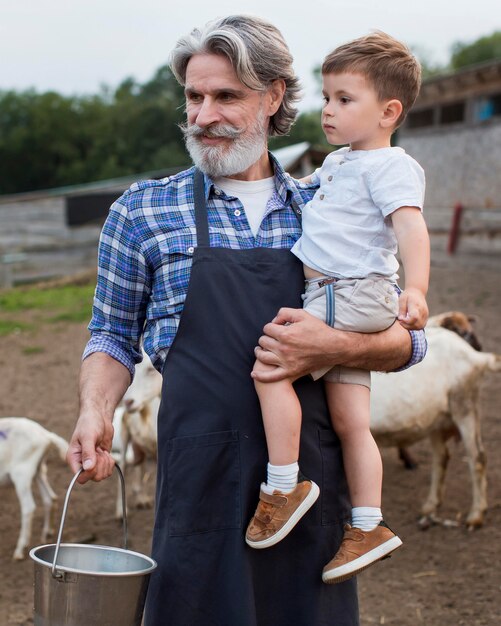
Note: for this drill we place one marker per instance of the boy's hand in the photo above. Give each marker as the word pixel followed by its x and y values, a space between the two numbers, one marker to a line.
pixel 412 309
pixel 306 179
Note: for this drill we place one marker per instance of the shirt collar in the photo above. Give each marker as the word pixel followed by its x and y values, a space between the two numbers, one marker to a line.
pixel 283 182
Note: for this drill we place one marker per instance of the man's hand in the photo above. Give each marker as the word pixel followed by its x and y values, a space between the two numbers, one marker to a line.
pixel 294 342
pixel 103 382
pixel 412 309
pixel 90 447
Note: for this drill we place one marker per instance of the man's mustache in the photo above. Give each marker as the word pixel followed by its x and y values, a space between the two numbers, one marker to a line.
pixel 215 131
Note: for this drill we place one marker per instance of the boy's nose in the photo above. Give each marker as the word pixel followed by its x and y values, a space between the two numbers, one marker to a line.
pixel 328 110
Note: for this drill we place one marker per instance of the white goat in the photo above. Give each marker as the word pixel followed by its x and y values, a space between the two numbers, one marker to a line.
pixel 135 423
pixel 437 398
pixel 23 447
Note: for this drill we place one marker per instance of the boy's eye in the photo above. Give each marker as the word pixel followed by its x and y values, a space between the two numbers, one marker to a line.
pixel 325 99
pixel 344 100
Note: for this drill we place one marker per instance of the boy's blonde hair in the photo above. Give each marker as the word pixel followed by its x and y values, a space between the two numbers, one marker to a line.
pixel 387 64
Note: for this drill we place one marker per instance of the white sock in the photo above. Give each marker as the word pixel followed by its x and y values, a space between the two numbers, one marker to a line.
pixel 281 477
pixel 365 517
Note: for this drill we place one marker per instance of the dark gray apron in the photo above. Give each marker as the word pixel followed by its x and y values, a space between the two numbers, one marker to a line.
pixel 212 459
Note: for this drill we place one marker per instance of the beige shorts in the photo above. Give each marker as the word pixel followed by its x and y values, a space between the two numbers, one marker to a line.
pixel 364 305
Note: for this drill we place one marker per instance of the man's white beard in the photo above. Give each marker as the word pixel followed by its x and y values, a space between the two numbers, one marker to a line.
pixel 245 148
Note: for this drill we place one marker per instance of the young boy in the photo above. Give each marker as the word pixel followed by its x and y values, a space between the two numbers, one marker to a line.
pixel 370 197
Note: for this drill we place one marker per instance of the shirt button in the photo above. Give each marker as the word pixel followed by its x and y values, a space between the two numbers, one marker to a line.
pixel 322 196
pixel 217 192
pixel 330 178
pixel 237 212
pixel 191 250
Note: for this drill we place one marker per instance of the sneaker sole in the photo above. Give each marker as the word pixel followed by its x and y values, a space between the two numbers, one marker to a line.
pixel 303 508
pixel 339 574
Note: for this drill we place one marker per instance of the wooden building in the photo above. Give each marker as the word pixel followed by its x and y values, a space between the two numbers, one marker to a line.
pixel 51 233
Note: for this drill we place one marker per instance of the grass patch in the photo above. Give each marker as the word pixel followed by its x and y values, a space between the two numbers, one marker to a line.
pixel 70 297
pixel 32 350
pixel 7 327
pixel 67 303
pixel 81 315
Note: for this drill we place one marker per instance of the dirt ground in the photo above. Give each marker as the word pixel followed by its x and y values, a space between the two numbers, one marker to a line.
pixel 445 576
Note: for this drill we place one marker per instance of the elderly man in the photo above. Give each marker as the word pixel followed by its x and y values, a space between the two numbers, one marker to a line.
pixel 197 264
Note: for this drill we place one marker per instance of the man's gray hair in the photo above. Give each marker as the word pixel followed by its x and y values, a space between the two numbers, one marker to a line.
pixel 257 52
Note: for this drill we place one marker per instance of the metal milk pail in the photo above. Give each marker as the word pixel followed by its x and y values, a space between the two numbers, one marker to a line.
pixel 90 585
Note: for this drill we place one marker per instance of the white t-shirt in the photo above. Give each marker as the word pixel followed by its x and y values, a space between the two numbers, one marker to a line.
pixel 347 231
pixel 253 195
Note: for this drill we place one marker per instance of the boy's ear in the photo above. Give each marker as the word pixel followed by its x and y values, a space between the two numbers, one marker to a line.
pixel 391 112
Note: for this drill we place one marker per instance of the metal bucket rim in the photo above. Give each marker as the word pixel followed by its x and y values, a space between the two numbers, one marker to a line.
pixel 63 568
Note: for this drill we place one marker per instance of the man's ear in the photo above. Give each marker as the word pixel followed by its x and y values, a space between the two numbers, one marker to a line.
pixel 276 93
pixel 391 112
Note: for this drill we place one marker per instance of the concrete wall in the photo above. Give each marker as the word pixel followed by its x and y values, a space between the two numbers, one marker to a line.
pixel 461 164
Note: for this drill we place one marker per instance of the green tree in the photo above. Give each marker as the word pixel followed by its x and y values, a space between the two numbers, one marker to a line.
pixel 483 49
pixel 48 140
pixel 307 128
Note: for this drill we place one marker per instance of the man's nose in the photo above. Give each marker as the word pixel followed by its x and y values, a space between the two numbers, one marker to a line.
pixel 207 113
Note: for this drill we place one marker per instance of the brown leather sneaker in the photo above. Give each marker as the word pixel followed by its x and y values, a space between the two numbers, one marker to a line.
pixel 277 514
pixel 358 550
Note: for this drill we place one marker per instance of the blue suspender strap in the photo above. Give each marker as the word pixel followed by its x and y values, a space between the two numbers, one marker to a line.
pixel 330 298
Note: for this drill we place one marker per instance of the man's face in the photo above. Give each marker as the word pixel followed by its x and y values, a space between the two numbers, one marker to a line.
pixel 227 124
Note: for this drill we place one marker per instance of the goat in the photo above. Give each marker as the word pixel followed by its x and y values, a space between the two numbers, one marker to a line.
pixel 436 399
pixel 135 423
pixel 24 445
pixel 460 324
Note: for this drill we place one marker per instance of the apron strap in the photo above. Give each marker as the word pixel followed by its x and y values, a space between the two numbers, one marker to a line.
pixel 201 221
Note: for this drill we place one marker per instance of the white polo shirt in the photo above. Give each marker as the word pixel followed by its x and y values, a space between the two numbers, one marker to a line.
pixel 347 230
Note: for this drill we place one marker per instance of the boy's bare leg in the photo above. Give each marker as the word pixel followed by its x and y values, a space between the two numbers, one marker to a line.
pixel 349 407
pixel 281 412
pixel 285 497
pixel 368 539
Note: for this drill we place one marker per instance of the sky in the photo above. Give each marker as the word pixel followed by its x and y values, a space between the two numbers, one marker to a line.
pixel 76 46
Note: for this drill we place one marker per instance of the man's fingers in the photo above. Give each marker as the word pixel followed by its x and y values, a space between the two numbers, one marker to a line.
pixel 74 458
pixel 265 356
pixel 287 316
pixel 88 455
pixel 102 468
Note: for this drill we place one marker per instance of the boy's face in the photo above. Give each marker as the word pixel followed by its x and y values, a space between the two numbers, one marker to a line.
pixel 352 113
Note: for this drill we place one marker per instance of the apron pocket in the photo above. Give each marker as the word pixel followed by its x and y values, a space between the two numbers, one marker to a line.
pixel 334 495
pixel 203 483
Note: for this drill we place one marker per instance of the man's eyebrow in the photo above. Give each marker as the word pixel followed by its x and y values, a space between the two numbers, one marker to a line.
pixel 188 91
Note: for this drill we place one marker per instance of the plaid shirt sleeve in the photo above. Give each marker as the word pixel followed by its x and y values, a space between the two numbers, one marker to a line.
pixel 122 291
pixel 419 348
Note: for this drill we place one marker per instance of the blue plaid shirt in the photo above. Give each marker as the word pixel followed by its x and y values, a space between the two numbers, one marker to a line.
pixel 145 255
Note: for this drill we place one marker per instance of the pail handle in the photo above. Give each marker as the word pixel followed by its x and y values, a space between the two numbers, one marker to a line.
pixel 55 573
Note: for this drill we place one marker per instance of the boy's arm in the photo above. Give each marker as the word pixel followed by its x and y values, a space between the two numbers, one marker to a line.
pixel 414 247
